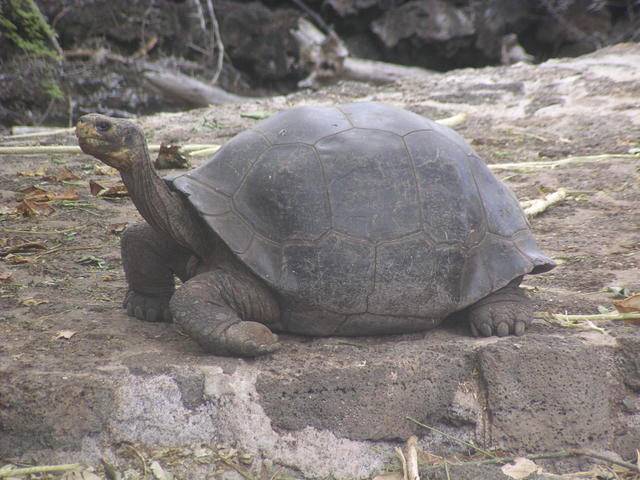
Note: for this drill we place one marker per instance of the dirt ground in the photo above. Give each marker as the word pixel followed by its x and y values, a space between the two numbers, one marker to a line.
pixel 61 280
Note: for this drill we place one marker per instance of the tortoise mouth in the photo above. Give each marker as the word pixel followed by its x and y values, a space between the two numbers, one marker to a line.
pixel 93 145
pixel 89 139
pixel 92 141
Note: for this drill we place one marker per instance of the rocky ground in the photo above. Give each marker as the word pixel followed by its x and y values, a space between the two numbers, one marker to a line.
pixel 82 381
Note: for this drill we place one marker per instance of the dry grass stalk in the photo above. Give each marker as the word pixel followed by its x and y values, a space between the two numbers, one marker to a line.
pixel 539 205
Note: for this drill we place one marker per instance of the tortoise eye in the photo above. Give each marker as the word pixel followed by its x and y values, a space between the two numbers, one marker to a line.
pixel 102 126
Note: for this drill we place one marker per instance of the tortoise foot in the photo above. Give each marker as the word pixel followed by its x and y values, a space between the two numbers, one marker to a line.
pixel 505 312
pixel 237 339
pixel 149 309
pixel 249 339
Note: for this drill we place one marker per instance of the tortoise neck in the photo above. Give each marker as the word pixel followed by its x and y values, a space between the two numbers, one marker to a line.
pixel 147 190
pixel 166 211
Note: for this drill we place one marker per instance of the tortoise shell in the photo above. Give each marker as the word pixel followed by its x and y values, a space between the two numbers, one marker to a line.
pixel 363 211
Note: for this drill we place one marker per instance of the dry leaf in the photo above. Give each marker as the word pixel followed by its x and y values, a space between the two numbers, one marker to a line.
pixel 107 278
pixel 160 473
pixel 98 190
pixel 64 334
pixel 22 247
pixel 17 259
pixel 5 277
pixel 520 468
pixel 69 194
pixel 6 210
pixel 95 188
pixel 32 302
pixel 118 190
pixel 118 228
pixel 41 172
pixel 84 475
pixel 64 174
pixel 29 208
pixel 389 476
pixel 35 193
pixel 105 170
pixel 628 305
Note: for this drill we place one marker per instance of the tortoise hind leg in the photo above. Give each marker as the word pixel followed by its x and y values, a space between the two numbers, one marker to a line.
pixel 150 261
pixel 212 307
pixel 505 311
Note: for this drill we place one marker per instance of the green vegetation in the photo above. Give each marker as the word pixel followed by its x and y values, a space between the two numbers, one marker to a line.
pixel 26 27
pixel 23 24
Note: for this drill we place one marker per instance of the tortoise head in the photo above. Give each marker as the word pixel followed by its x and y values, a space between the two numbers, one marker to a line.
pixel 115 141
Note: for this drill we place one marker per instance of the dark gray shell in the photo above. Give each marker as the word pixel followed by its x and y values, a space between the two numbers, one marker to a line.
pixel 364 209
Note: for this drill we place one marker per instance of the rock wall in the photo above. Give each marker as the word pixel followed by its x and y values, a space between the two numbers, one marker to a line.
pixel 108 44
pixel 326 408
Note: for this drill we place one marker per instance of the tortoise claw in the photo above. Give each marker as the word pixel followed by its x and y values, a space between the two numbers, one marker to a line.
pixel 502 330
pixel 504 312
pixel 249 339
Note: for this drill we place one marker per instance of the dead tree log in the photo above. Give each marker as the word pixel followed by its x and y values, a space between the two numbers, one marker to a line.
pixel 328 60
pixel 185 89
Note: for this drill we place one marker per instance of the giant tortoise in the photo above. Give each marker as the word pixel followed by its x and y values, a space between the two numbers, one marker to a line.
pixel 357 219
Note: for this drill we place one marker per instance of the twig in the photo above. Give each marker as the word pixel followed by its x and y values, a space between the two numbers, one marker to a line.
pixel 451 437
pixel 57 250
pixel 606 458
pixel 39 469
pixel 60 149
pixel 589 318
pixel 550 455
pixel 204 151
pixel 39 232
pixel 229 463
pixel 140 457
pixel 454 120
pixel 217 38
pixel 539 205
pixel 40 149
pixel 403 461
pixel 535 456
pixel 557 163
pixel 43 133
pixel 412 458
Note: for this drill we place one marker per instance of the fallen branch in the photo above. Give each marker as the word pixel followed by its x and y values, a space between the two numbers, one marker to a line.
pixel 539 205
pixel 74 149
pixel 454 120
pixel 561 317
pixel 403 462
pixel 39 469
pixel 558 163
pixel 39 132
pixel 189 90
pixel 412 459
pixel 327 59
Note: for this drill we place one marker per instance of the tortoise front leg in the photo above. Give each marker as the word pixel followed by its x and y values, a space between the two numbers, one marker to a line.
pixel 150 261
pixel 226 313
